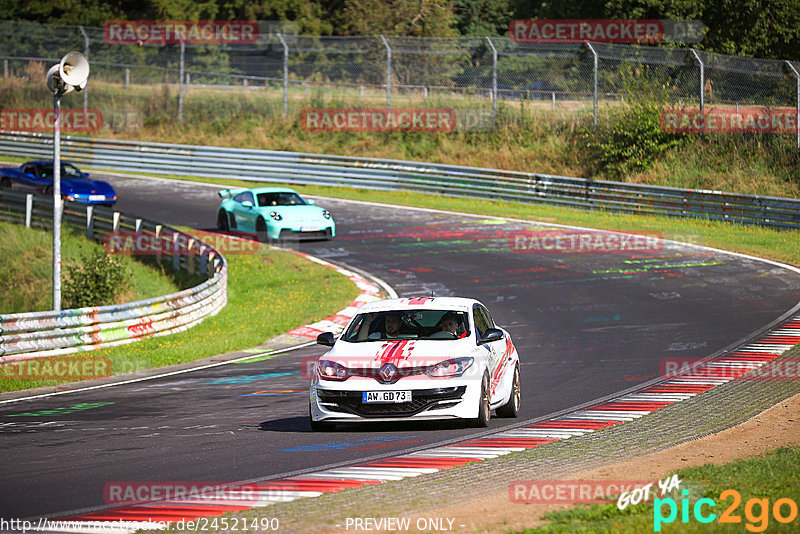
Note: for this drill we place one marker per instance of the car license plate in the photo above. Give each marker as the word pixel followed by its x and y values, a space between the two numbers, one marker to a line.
pixel 97 197
pixel 385 396
pixel 310 228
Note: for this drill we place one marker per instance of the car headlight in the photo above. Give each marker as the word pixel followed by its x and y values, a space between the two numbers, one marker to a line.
pixel 328 370
pixel 326 214
pixel 275 215
pixel 449 368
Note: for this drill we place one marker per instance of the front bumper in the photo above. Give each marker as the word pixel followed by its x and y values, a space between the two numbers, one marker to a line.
pixel 431 399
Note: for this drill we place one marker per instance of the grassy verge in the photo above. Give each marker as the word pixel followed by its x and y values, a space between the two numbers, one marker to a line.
pixel 759 481
pixel 531 136
pixel 269 293
pixel 28 261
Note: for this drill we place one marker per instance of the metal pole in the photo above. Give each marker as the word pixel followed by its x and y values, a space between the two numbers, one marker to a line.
pixel 285 76
pixel 494 78
pixel 180 87
pixel 127 77
pixel 5 68
pixel 57 206
pixel 85 53
pixel 797 101
pixel 388 72
pixel 594 90
pixel 702 77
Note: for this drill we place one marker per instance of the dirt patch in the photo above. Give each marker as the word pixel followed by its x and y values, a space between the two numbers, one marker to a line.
pixel 776 427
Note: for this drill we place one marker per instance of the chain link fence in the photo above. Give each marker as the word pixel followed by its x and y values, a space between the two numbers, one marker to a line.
pixel 468 72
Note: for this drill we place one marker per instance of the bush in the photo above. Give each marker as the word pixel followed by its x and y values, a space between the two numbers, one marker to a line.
pixel 630 138
pixel 97 281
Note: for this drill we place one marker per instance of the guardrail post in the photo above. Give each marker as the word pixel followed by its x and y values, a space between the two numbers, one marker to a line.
pixel 494 78
pixel 388 72
pixel 85 53
pixel 702 66
pixel 180 83
pixel 137 225
pixel 28 209
pixel 797 100
pixel 158 239
pixel 176 258
pixel 190 255
pixel 285 76
pixel 115 221
pixel 595 84
pixel 203 260
pixel 90 222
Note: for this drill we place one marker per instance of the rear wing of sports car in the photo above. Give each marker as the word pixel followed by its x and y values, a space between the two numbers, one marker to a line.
pixel 227 193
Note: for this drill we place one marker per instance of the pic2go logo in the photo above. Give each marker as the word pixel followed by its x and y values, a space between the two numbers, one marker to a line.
pixel 756 511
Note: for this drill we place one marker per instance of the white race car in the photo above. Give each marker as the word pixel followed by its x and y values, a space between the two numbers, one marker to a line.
pixel 413 359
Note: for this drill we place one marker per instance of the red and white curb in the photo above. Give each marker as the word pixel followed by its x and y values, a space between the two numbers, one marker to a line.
pixel 631 406
pixel 336 323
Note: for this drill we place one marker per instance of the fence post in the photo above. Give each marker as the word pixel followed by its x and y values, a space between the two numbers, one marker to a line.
pixel 127 77
pixel 285 76
pixel 5 68
pixel 388 72
pixel 85 53
pixel 702 77
pixel 28 209
pixel 494 78
pixel 180 83
pixel 797 99
pixel 594 90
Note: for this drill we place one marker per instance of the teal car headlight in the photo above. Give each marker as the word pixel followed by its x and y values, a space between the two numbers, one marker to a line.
pixel 326 214
pixel 275 215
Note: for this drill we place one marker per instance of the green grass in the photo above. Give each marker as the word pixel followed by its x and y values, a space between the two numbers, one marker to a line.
pixel 27 267
pixel 771 476
pixel 530 137
pixel 269 293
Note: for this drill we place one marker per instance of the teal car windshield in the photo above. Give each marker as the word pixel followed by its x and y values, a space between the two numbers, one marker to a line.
pixel 280 199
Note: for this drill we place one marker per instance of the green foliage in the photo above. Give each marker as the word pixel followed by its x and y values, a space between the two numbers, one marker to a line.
pixel 96 281
pixel 630 137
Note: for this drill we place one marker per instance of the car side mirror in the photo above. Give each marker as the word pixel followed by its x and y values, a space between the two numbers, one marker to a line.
pixel 247 204
pixel 311 201
pixel 491 334
pixel 326 338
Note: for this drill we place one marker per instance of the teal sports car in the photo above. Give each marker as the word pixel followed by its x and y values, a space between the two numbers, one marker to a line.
pixel 273 213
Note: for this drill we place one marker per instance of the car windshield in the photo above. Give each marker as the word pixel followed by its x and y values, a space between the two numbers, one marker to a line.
pixel 280 199
pixel 67 171
pixel 408 324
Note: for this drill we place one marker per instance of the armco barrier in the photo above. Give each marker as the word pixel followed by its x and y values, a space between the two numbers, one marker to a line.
pixel 383 174
pixel 50 333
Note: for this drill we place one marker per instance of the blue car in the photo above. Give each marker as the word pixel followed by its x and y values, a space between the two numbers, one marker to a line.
pixel 273 213
pixel 75 184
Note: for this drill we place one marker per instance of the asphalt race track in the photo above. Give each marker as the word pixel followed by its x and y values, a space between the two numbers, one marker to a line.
pixel 585 324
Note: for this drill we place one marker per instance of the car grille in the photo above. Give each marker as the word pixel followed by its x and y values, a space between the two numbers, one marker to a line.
pixel 423 399
pixel 295 235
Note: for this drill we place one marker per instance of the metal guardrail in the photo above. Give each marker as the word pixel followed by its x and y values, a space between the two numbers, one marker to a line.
pixel 384 174
pixel 50 333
